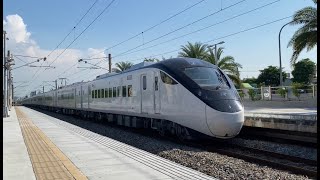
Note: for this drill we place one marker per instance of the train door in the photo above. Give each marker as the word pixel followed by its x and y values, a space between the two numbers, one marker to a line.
pixel 88 97
pixel 81 97
pixel 144 93
pixel 156 91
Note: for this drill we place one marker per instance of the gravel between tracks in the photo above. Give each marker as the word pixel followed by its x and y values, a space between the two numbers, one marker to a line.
pixel 213 164
pixel 292 150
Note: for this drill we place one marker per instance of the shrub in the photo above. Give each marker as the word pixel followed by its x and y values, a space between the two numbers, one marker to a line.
pixel 296 89
pixel 282 92
pixel 252 93
pixel 242 94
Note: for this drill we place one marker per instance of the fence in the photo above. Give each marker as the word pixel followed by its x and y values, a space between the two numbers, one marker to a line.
pixel 279 93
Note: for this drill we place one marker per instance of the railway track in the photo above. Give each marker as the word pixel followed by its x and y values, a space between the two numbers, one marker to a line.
pixel 280 136
pixel 285 162
pixel 293 164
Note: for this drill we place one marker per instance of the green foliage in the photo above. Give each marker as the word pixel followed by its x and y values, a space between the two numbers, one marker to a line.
pixel 270 76
pixel 242 94
pixel 282 92
pixel 303 71
pixel 306 36
pixel 121 66
pixel 197 50
pixel 252 93
pixel 202 51
pixel 252 81
pixel 296 87
pixel 151 60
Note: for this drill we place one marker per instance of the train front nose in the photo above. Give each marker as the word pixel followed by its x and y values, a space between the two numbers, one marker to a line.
pixel 224 124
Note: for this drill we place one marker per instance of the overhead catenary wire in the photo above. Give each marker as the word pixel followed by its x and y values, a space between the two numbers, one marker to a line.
pixel 107 7
pixel 221 37
pixel 66 36
pixel 150 28
pixel 201 29
pixel 189 24
pixel 73 28
pixel 198 20
pixel 83 31
pixel 138 34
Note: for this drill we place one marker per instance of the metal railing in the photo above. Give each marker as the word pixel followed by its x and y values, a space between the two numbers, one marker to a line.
pixel 279 93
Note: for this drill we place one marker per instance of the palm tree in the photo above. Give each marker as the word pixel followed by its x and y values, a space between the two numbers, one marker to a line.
pixel 151 60
pixel 121 66
pixel 227 64
pixel 306 36
pixel 197 50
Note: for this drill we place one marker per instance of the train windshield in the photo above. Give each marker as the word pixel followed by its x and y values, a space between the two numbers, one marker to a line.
pixel 205 76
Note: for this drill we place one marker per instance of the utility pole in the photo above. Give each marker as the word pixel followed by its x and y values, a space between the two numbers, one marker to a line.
pixel 42 89
pixel 280 52
pixel 10 62
pixel 56 81
pixel 215 50
pixel 109 58
pixel 5 103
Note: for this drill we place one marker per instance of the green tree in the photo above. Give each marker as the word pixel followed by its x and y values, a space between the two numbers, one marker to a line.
pixel 151 60
pixel 252 81
pixel 227 64
pixel 197 50
pixel 122 66
pixel 270 76
pixel 305 36
pixel 303 71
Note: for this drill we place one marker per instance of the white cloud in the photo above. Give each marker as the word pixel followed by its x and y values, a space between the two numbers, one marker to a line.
pixel 15 26
pixel 21 43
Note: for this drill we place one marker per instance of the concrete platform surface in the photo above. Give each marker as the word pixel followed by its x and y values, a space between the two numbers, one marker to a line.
pixel 284 111
pixel 16 161
pixel 99 157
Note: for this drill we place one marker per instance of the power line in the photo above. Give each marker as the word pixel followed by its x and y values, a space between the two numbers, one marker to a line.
pixel 229 35
pixel 82 31
pixel 20 59
pixel 66 36
pixel 222 9
pixel 148 29
pixel 198 20
pixel 80 34
pixel 236 16
pixel 73 28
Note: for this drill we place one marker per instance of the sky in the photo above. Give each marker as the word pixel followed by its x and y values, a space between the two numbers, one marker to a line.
pixel 36 28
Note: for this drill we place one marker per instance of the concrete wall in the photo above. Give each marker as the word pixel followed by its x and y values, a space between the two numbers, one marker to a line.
pixel 310 103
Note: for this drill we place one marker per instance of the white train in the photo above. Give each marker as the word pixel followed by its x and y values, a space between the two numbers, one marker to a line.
pixel 180 96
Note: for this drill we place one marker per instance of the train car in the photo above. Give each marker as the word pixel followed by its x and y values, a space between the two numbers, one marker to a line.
pixel 178 96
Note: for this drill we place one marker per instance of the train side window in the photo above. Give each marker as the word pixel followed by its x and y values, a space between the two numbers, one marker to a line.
pixel 102 93
pixel 156 86
pixel 129 90
pixel 124 91
pixel 144 82
pixel 92 94
pixel 98 93
pixel 114 92
pixel 95 93
pixel 106 92
pixel 118 91
pixel 110 92
pixel 166 79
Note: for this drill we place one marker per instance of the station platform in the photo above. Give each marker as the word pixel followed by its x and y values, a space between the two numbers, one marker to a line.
pixel 291 119
pixel 48 148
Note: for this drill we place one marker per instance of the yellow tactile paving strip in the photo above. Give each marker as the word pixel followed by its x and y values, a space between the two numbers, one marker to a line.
pixel 47 160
